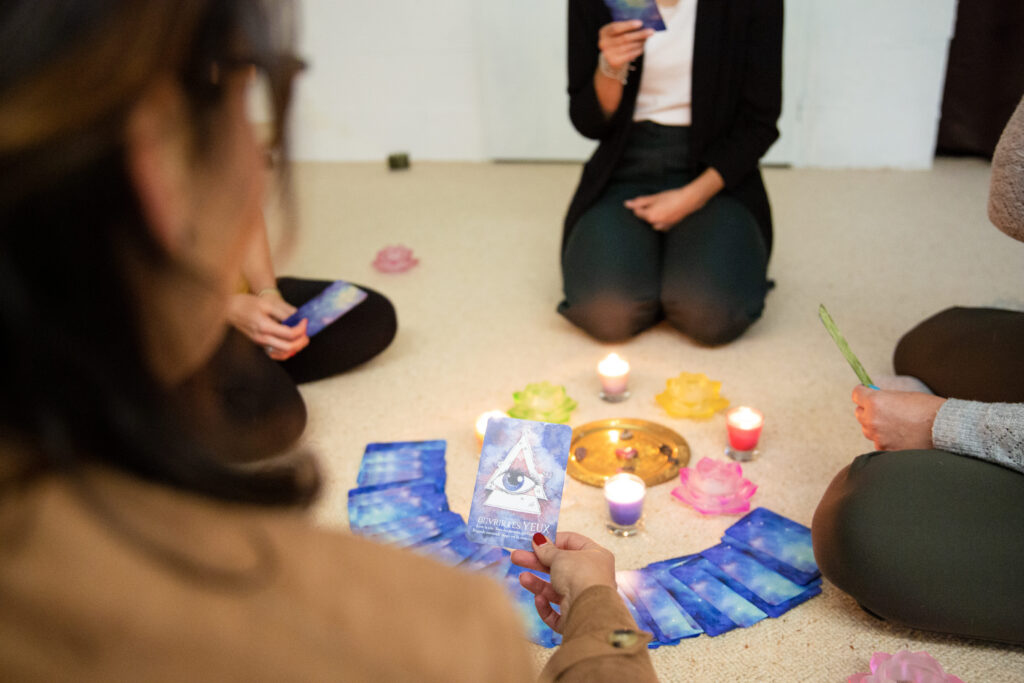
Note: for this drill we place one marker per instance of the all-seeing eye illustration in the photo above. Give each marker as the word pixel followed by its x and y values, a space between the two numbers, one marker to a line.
pixel 516 484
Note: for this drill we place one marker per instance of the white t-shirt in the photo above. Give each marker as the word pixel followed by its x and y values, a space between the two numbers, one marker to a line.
pixel 665 86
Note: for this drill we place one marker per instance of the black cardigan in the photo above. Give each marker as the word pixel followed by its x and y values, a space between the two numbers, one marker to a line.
pixel 736 99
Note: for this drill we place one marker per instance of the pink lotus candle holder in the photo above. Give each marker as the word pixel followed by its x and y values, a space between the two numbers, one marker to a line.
pixel 715 488
pixel 913 667
pixel 394 259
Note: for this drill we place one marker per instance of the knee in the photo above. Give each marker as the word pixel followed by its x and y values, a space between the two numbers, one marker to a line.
pixel 924 340
pixel 385 319
pixel 709 320
pixel 611 318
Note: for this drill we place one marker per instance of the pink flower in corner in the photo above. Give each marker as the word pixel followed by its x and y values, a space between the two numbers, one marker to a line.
pixel 714 488
pixel 395 259
pixel 914 667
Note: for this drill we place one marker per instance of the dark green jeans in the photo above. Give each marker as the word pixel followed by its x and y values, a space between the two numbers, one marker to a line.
pixel 931 539
pixel 706 275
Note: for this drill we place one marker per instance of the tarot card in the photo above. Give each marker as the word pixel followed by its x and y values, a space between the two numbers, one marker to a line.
pixel 402 473
pixel 645 10
pixel 337 299
pixel 666 617
pixel 451 548
pixel 669 563
pixel 642 621
pixel 412 530
pixel 707 616
pixel 738 609
pixel 519 482
pixel 403 462
pixel 536 629
pixel 390 451
pixel 770 591
pixel 776 542
pixel 368 496
pixel 485 557
pixel 360 515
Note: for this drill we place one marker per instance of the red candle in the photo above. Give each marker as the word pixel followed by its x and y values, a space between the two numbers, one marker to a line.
pixel 744 425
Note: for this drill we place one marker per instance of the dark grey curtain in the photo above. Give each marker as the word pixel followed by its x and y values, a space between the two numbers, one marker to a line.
pixel 984 76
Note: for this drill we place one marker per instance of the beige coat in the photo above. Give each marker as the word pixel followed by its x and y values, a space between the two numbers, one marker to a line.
pixel 278 599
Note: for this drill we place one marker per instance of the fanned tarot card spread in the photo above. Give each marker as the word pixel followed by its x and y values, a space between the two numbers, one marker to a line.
pixel 519 482
pixel 337 299
pixel 644 10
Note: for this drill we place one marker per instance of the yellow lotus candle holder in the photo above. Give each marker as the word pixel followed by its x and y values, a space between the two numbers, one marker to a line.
pixel 692 395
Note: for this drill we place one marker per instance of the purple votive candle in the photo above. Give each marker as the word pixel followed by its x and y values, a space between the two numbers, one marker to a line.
pixel 625 495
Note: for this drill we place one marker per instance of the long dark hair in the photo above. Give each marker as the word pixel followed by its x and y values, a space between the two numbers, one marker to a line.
pixel 75 386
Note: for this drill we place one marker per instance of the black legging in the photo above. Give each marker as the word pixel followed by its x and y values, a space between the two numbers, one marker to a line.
pixel 706 275
pixel 930 539
pixel 247 405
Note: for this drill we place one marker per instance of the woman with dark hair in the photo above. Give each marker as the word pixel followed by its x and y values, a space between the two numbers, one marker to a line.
pixel 671 219
pixel 130 184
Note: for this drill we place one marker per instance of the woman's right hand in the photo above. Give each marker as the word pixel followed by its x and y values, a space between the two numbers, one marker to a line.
pixel 574 562
pixel 622 41
pixel 258 317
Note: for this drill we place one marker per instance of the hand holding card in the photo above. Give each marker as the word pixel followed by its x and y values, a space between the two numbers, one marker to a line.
pixel 645 10
pixel 519 482
pixel 337 299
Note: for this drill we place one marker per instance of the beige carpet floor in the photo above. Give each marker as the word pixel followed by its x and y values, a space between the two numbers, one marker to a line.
pixel 882 249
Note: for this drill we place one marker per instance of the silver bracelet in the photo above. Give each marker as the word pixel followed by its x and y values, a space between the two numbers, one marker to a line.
pixel 621 74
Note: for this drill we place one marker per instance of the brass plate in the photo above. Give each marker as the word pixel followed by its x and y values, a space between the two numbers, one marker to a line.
pixel 659 451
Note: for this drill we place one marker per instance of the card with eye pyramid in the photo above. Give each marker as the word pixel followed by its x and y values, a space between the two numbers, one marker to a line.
pixel 519 482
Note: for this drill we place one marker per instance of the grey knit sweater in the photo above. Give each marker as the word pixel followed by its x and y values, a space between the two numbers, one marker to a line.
pixel 989 431
pixel 993 431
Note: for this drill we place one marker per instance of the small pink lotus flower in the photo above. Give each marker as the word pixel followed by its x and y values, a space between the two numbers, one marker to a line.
pixel 714 488
pixel 395 259
pixel 914 667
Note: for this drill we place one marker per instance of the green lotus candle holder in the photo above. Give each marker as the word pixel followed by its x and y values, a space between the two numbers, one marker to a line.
pixel 543 402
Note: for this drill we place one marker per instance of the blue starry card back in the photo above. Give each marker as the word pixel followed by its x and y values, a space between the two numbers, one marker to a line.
pixel 768 590
pixel 519 482
pixel 337 299
pixel 668 620
pixel 727 601
pixel 644 10
pixel 707 616
pixel 776 542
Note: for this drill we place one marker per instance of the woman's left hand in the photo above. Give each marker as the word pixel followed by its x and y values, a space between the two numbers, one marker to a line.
pixel 896 420
pixel 665 209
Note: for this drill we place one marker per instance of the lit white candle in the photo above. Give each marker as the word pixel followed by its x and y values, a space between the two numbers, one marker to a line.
pixel 481 422
pixel 625 495
pixel 614 373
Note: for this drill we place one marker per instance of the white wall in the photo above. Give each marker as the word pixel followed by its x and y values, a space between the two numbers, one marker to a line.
pixel 465 79
pixel 388 76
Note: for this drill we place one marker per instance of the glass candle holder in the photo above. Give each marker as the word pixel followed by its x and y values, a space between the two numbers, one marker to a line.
pixel 614 373
pixel 744 427
pixel 625 495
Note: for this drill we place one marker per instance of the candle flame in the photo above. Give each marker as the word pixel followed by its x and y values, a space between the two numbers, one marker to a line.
pixel 481 422
pixel 628 489
pixel 745 418
pixel 613 366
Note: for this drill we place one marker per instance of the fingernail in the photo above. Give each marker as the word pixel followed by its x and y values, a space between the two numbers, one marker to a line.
pixel 538 539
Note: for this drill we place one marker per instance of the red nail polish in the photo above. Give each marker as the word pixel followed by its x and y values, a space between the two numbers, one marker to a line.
pixel 538 539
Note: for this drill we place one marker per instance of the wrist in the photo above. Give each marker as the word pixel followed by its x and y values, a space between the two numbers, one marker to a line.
pixel 267 291
pixel 620 73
